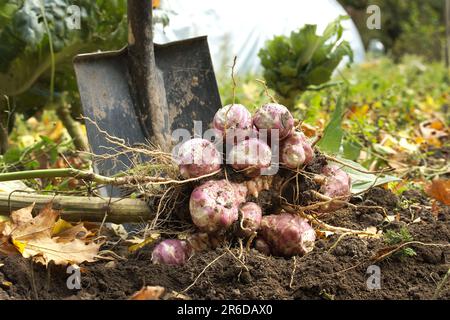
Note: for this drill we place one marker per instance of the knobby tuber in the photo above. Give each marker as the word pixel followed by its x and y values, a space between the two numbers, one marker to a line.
pixel 296 151
pixel 197 157
pixel 217 205
pixel 214 205
pixel 274 116
pixel 250 156
pixel 287 235
pixel 251 215
pixel 172 252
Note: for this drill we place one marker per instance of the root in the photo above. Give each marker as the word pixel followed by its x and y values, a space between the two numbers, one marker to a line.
pixel 293 273
pixel 203 271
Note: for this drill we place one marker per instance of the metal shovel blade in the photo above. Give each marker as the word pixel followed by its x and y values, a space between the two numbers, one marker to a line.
pixel 190 87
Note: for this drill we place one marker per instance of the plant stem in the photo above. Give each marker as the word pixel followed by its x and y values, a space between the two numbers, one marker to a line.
pixel 90 176
pixel 56 173
pixel 72 126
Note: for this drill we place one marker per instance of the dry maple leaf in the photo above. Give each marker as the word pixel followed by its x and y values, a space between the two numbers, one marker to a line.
pixel 439 190
pixel 46 237
pixel 48 249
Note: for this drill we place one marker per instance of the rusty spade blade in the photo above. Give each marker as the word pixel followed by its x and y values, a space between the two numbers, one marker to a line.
pixel 145 91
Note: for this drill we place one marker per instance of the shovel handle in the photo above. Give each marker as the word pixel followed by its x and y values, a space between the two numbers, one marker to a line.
pixel 140 33
pixel 146 84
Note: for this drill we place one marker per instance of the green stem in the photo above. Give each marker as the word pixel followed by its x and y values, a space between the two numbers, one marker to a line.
pixel 52 53
pixel 57 173
pixel 84 175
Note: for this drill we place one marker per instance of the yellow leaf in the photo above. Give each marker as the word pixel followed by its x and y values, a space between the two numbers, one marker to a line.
pixel 153 237
pixel 60 226
pixel 20 246
pixel 57 131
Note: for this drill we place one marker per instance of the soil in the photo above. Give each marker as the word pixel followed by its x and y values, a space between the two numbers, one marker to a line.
pixel 335 269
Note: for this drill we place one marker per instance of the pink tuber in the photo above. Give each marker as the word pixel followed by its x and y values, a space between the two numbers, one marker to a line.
pixel 274 116
pixel 197 157
pixel 337 182
pixel 250 156
pixel 287 235
pixel 214 205
pixel 235 119
pixel 172 252
pixel 296 151
pixel 251 215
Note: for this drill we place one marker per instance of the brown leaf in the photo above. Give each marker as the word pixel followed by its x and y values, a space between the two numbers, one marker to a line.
pixel 439 189
pixel 39 226
pixel 23 215
pixel 149 293
pixel 35 238
pixel 75 251
pixel 76 232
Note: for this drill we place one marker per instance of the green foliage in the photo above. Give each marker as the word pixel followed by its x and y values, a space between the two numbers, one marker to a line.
pixel 407 27
pixel 332 135
pixel 27 55
pixel 392 238
pixel 293 64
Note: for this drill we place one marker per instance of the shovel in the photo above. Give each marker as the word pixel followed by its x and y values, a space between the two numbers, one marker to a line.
pixel 144 91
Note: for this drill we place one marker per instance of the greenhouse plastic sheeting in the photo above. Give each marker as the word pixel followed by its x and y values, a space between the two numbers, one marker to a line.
pixel 241 27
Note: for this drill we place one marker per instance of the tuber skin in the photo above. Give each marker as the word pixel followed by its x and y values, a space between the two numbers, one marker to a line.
pixel 214 205
pixel 251 215
pixel 235 120
pixel 274 116
pixel 296 151
pixel 337 182
pixel 287 235
pixel 262 246
pixel 197 157
pixel 171 252
pixel 250 156
pixel 232 116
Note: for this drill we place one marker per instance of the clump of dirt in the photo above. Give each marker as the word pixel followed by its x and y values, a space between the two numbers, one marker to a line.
pixel 335 269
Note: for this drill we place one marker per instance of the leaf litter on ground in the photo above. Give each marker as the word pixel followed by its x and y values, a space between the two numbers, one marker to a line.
pixel 46 237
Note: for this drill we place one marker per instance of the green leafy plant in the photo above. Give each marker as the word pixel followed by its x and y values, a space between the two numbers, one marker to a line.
pixel 294 64
pixel 393 238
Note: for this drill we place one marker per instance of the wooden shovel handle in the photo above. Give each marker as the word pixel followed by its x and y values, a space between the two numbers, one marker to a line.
pixel 147 86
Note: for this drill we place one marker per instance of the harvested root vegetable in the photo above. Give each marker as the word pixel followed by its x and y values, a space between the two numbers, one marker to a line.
pixel 198 157
pixel 172 252
pixel 287 235
pixel 274 116
pixel 262 246
pixel 250 156
pixel 235 119
pixel 251 215
pixel 337 182
pixel 296 151
pixel 214 205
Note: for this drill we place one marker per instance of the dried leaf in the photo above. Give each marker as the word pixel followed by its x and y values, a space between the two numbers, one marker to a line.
pixel 439 190
pixel 61 226
pixel 46 237
pixel 75 232
pixel 75 251
pixel 23 215
pixel 149 293
pixel 142 243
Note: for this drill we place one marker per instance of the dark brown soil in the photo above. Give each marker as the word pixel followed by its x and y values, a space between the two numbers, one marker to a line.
pixel 331 271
